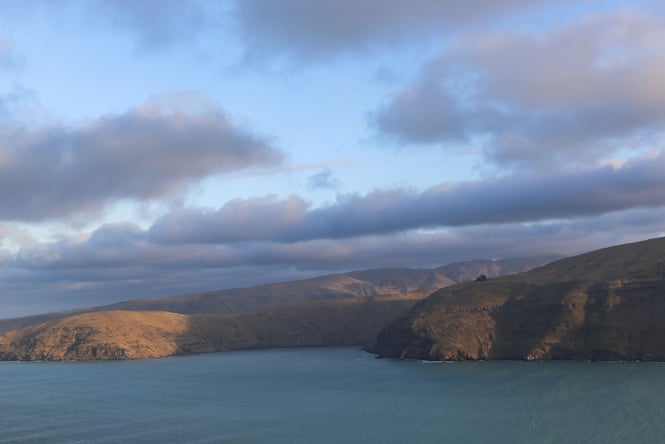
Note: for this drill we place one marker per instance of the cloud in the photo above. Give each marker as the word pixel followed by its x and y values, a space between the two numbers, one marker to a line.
pixel 511 216
pixel 151 25
pixel 323 179
pixel 157 24
pixel 8 59
pixel 12 236
pixel 510 199
pixel 19 104
pixel 308 30
pixel 424 113
pixel 256 218
pixel 15 99
pixel 126 252
pixel 149 152
pixel 118 262
pixel 565 95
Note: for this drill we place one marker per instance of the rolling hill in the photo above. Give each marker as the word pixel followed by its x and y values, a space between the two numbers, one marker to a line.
pixel 604 305
pixel 115 334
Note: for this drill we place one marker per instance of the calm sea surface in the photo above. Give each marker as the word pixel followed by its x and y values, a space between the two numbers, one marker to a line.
pixel 330 395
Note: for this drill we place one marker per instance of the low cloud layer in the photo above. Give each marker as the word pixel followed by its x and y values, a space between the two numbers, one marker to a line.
pixel 118 262
pixel 148 152
pixel 517 198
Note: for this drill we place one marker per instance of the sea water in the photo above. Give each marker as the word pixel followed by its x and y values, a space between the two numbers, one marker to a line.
pixel 330 395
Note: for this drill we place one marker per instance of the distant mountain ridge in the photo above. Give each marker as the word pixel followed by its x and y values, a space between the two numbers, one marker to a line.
pixel 362 283
pixel 608 304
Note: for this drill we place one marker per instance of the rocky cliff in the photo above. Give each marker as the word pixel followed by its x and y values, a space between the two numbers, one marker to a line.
pixel 604 305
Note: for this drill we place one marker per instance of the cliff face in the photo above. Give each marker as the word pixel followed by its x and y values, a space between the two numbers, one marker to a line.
pixel 605 305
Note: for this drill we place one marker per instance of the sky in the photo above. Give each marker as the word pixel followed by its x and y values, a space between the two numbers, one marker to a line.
pixel 161 147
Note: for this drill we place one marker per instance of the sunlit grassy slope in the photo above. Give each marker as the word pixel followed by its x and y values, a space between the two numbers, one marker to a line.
pixel 151 334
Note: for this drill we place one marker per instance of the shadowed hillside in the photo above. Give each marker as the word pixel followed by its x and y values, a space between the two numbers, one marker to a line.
pixel 604 305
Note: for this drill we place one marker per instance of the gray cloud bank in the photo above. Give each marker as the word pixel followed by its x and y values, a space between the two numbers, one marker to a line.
pixel 158 24
pixel 148 152
pixel 299 29
pixel 312 30
pixel 566 95
pixel 516 198
pixel 117 262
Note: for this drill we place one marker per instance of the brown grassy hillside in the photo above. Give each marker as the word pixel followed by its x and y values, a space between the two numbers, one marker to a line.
pixel 101 335
pixel 605 305
pixel 146 334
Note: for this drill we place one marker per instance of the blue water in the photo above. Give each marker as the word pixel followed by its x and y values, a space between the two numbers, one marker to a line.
pixel 330 395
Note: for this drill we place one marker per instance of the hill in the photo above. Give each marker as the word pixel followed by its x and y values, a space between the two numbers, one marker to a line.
pixel 364 283
pixel 149 334
pixel 604 305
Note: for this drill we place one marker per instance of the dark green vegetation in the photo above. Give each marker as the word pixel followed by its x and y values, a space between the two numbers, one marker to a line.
pixel 604 305
pixel 342 309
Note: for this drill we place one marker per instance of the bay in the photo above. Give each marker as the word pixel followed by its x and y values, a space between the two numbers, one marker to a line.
pixel 330 395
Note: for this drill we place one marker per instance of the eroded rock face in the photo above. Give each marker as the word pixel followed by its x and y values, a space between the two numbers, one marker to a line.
pixel 550 313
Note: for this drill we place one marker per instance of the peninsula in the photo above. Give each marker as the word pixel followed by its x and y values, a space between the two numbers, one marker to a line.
pixel 604 305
